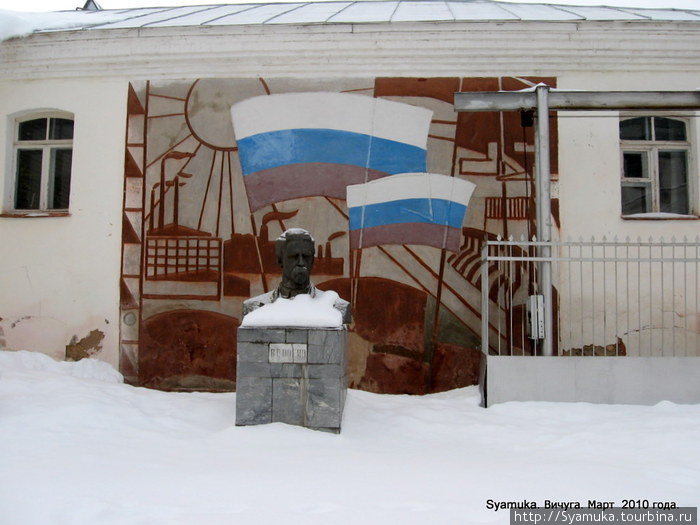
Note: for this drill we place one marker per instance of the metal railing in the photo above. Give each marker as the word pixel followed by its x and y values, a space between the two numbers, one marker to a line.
pixel 610 298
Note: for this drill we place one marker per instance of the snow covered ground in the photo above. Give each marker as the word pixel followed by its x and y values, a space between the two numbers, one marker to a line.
pixel 79 447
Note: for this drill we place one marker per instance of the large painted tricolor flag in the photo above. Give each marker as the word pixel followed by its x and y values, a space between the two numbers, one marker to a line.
pixel 409 208
pixel 305 144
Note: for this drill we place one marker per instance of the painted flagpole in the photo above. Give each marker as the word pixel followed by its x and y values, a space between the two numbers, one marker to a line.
pixel 410 208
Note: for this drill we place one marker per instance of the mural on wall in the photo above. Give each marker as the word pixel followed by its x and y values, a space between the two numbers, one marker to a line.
pixel 216 169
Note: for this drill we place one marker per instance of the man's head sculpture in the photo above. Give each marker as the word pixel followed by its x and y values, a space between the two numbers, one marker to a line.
pixel 295 250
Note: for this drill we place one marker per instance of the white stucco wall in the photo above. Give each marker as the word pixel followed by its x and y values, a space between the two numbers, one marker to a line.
pixel 60 275
pixel 663 318
pixel 589 161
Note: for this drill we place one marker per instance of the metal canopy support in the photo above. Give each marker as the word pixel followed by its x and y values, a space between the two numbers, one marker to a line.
pixel 544 213
pixel 577 100
pixel 543 99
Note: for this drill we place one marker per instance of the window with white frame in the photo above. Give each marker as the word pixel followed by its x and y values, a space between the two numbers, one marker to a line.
pixel 655 165
pixel 42 155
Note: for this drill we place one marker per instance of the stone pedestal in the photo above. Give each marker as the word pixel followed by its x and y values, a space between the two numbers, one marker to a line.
pixel 291 375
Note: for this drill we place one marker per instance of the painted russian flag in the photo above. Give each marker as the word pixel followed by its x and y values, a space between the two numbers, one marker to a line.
pixel 304 144
pixel 409 208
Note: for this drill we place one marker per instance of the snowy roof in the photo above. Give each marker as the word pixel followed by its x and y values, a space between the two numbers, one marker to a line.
pixel 333 12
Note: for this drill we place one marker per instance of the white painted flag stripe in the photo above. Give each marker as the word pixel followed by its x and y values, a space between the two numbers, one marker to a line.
pixel 338 111
pixel 410 186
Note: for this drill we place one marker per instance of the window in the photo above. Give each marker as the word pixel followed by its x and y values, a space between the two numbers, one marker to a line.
pixel 43 154
pixel 655 169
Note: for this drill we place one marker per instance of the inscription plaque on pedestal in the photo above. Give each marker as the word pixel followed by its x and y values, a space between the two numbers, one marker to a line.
pixel 287 353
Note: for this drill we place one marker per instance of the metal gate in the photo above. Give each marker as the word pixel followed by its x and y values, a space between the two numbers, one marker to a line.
pixel 609 298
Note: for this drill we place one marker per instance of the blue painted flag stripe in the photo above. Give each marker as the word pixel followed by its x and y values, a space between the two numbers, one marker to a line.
pixel 296 146
pixel 444 212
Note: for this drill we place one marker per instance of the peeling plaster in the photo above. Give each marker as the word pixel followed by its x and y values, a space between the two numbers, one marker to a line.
pixel 88 346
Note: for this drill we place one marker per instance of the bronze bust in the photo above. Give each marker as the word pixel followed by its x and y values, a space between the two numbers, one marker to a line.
pixel 295 250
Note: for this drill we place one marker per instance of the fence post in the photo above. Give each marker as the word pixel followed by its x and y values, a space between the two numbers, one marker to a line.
pixel 485 298
pixel 544 225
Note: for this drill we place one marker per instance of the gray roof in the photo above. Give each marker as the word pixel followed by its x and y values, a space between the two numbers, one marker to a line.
pixel 370 11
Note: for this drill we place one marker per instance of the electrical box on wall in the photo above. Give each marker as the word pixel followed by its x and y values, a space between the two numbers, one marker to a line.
pixel 535 317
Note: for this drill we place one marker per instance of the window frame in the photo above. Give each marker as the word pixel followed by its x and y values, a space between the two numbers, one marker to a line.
pixel 651 148
pixel 46 146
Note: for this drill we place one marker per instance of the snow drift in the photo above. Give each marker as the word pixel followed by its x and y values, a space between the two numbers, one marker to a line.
pixel 79 447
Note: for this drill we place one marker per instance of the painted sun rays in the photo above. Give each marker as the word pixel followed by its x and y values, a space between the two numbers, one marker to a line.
pixel 206 163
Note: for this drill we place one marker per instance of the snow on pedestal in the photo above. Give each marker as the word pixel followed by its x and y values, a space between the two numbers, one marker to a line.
pixel 300 311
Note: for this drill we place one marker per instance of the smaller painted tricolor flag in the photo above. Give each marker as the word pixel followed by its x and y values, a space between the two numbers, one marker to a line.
pixel 409 208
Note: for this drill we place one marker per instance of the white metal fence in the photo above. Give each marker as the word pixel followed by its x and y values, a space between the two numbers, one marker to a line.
pixel 610 298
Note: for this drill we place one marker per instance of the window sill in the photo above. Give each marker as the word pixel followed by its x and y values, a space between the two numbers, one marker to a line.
pixel 659 217
pixel 34 214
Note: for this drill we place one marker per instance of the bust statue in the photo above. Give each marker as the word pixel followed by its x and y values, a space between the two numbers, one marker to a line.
pixel 295 250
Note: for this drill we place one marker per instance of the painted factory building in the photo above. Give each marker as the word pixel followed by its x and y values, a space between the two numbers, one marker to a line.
pixel 135 218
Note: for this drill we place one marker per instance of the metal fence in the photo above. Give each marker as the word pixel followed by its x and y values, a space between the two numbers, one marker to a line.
pixel 610 298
